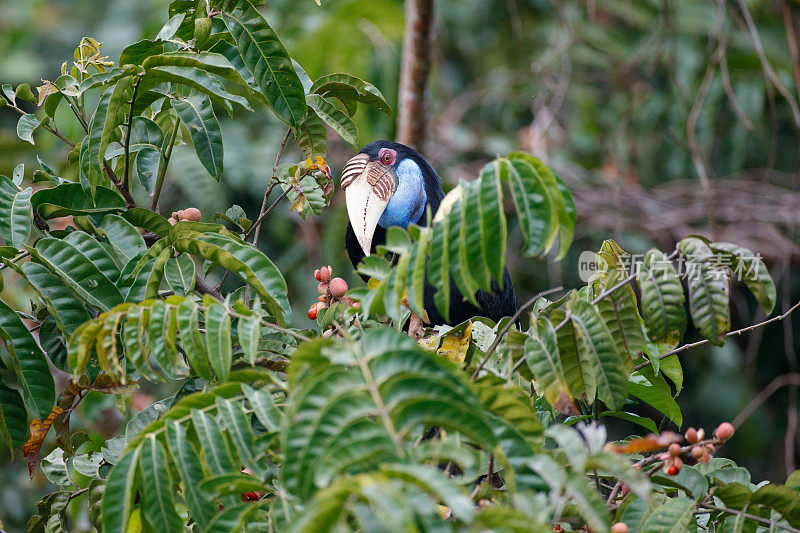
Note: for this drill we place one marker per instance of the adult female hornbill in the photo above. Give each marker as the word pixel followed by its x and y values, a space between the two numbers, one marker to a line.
pixel 389 184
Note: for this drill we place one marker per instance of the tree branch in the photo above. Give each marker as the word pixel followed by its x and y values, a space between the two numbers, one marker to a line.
pixel 729 334
pixel 776 384
pixel 748 516
pixel 507 327
pixel 256 229
pixel 129 126
pixel 414 70
pixel 163 163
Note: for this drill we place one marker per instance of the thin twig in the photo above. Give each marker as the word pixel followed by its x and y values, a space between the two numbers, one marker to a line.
pixel 776 384
pixel 256 229
pixel 129 127
pixel 78 115
pixel 729 334
pixel 765 64
pixel 163 163
pixel 749 516
pixel 45 126
pixel 507 327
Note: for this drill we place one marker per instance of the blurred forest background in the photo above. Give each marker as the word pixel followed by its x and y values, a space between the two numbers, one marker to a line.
pixel 666 117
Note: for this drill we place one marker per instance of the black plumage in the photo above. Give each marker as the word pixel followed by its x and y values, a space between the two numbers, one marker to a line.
pixel 493 305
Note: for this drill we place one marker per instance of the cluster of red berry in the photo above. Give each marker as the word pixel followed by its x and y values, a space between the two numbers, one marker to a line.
pixel 330 290
pixel 192 214
pixel 699 449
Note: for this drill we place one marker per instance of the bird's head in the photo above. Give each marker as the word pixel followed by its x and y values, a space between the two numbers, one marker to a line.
pixel 386 184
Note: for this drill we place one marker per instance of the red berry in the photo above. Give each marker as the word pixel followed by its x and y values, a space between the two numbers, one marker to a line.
pixel 691 435
pixel 698 452
pixel 312 312
pixel 325 273
pixel 317 275
pixel 724 431
pixel 619 527
pixel 338 287
pixel 322 298
pixel 672 470
pixel 192 213
pixel 674 449
pixel 322 288
pixel 701 434
pixel 250 497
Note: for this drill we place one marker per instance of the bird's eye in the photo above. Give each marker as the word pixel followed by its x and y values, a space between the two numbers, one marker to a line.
pixel 386 158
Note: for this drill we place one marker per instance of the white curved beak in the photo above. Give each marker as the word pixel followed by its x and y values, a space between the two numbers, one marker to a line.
pixel 368 187
pixel 364 209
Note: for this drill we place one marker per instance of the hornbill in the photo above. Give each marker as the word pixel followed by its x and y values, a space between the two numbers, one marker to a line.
pixel 389 184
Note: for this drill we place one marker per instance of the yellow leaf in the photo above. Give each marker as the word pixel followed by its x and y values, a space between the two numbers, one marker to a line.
pixel 373 283
pixel 431 342
pixel 455 343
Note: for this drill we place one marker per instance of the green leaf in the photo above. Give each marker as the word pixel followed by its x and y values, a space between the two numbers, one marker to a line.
pixel 537 218
pixel 574 360
pixel 673 516
pixel 77 271
pixel 780 498
pixel 216 448
pixel 16 218
pixel 544 361
pixel 28 362
pixel 109 120
pixel 557 193
pixel 167 32
pixel 94 139
pixel 193 344
pixel 70 199
pixel 264 407
pixel 349 90
pixel 268 61
pixel 596 342
pixel 247 262
pixel 249 334
pixel 662 298
pixel 27 126
pixel 187 461
pixel 65 307
pixel 123 236
pixel 218 327
pixel 335 118
pixel 146 219
pixel 709 290
pixel 237 423
pixel 621 315
pixel 493 227
pixel 13 418
pixel 158 502
pixel 121 491
pixel 312 137
pixel 471 242
pixel 95 253
pixel 198 115
pixel 751 269
pixel 136 53
pixel 179 272
pixel 656 392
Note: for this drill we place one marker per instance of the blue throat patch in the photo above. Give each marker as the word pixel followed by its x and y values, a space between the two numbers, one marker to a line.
pixel 408 202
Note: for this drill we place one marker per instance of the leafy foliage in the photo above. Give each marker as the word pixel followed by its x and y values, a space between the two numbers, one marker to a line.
pixel 469 428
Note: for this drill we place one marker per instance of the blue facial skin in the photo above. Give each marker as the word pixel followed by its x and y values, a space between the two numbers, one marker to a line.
pixel 408 201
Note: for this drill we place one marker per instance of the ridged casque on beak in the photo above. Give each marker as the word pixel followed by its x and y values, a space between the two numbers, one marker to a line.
pixel 368 187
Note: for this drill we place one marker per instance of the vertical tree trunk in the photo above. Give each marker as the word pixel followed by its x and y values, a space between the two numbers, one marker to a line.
pixel 414 69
